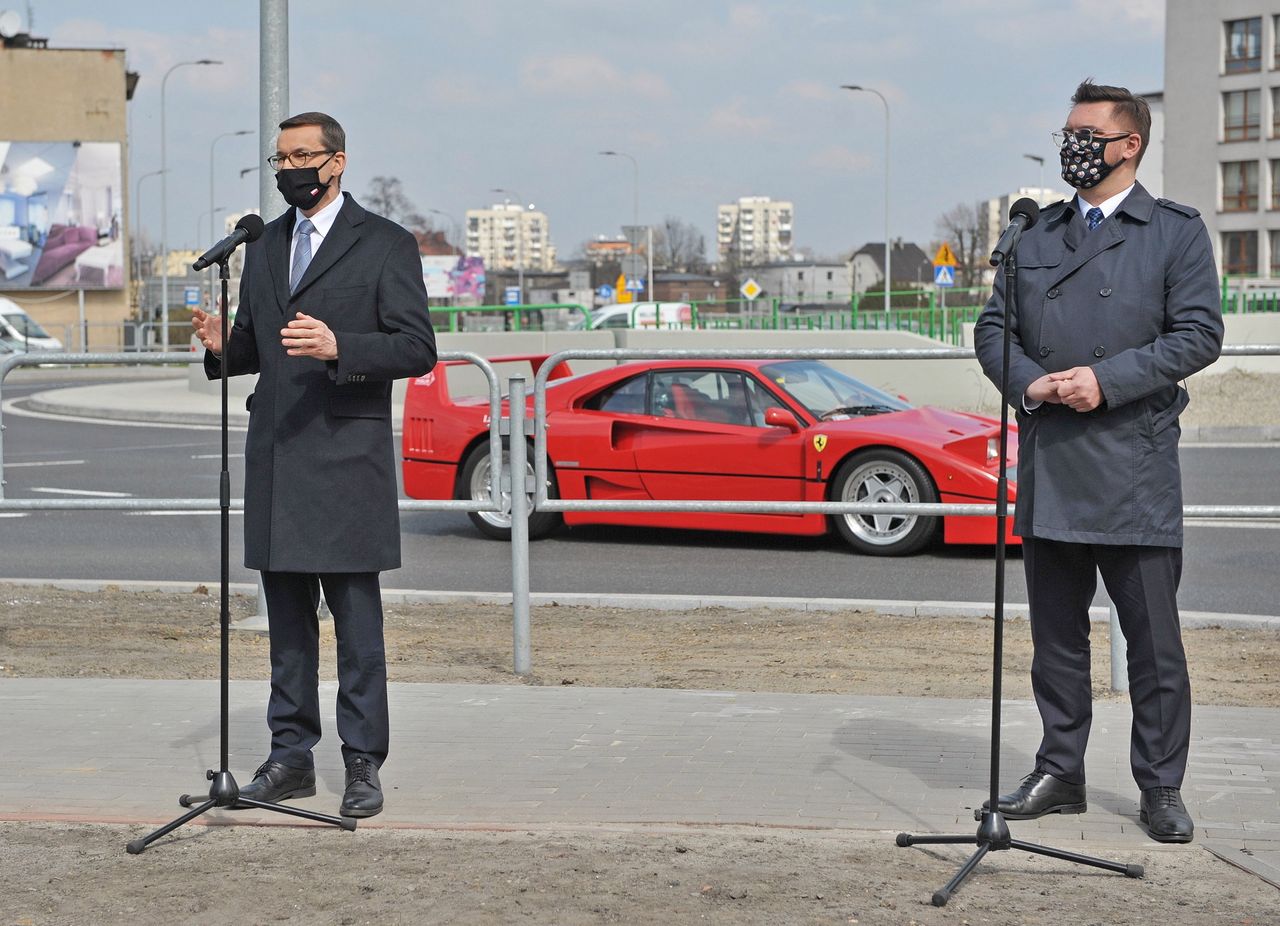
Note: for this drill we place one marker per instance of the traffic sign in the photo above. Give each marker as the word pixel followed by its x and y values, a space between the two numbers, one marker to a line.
pixel 944 275
pixel 945 256
pixel 605 291
pixel 511 295
pixel 750 289
pixel 635 284
pixel 191 296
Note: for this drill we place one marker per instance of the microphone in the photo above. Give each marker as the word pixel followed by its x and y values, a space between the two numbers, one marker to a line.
pixel 1022 215
pixel 249 228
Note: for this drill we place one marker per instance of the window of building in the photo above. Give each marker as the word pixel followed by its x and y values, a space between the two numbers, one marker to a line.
pixel 1240 253
pixel 1239 186
pixel 1275 184
pixel 1275 253
pixel 1241 115
pixel 1244 45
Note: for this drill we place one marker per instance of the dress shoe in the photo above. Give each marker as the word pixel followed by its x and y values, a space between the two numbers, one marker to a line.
pixel 1165 815
pixel 363 797
pixel 275 781
pixel 1039 794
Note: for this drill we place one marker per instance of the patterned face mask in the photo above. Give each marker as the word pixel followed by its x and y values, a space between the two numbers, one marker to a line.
pixel 1083 164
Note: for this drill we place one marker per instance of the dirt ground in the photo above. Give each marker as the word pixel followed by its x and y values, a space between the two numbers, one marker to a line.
pixel 54 873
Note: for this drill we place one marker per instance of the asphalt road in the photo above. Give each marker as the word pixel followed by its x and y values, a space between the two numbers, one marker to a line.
pixel 1228 567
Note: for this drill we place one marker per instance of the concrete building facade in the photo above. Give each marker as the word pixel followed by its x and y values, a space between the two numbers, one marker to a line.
pixel 1222 122
pixel 508 236
pixel 801 282
pixel 75 96
pixel 754 230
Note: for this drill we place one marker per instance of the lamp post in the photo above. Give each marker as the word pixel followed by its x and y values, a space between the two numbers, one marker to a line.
pixel 137 225
pixel 213 145
pixel 453 223
pixel 164 203
pixel 1039 160
pixel 244 172
pixel 519 237
pixel 635 212
pixel 888 245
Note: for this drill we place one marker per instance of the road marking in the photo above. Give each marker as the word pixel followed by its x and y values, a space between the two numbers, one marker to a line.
pixel 216 456
pixel 1233 522
pixel 89 492
pixel 13 514
pixel 45 463
pixel 1230 445
pixel 10 407
pixel 168 513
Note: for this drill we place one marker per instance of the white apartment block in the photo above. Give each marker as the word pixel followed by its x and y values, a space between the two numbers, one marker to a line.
pixel 754 230
pixel 1222 115
pixel 509 237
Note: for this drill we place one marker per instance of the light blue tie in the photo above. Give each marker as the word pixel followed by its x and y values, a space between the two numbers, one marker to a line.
pixel 1093 217
pixel 301 254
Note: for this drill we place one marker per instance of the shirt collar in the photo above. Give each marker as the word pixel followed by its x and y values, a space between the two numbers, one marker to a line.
pixel 1107 206
pixel 324 219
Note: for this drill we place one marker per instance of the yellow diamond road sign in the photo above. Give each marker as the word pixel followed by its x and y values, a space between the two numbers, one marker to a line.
pixel 945 256
pixel 751 289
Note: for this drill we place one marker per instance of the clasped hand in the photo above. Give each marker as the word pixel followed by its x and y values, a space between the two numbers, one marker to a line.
pixel 1077 388
pixel 304 336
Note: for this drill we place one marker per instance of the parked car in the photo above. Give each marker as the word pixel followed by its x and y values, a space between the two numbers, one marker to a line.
pixel 21 332
pixel 793 430
pixel 639 315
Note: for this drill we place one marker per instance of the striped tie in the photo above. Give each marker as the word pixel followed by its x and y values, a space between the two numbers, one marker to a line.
pixel 1093 217
pixel 301 254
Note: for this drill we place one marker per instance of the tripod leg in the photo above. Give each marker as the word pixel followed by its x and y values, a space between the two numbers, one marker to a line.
pixel 138 845
pixel 1131 871
pixel 906 839
pixel 941 897
pixel 347 823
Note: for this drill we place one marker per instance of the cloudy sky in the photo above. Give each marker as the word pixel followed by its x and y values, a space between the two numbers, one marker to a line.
pixel 714 99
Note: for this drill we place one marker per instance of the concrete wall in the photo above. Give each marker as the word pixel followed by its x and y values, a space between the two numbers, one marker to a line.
pixel 70 95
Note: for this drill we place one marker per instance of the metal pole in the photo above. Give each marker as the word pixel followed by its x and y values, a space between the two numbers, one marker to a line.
pixel 137 231
pixel 213 144
pixel 273 95
pixel 888 244
pixel 519 530
pixel 648 283
pixel 84 325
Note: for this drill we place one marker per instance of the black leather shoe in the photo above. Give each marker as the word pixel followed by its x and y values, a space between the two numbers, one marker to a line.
pixel 1039 794
pixel 363 797
pixel 275 781
pixel 1165 815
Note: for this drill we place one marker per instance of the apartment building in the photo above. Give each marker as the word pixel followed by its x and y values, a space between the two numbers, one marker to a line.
pixel 754 230
pixel 509 236
pixel 1222 118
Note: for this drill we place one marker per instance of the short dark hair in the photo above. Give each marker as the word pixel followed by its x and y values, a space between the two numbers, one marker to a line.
pixel 1130 109
pixel 335 139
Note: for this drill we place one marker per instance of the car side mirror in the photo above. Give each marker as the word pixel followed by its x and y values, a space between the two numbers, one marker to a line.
pixel 776 417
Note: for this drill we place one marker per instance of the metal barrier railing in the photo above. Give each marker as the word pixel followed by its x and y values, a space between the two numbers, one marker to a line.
pixel 517 313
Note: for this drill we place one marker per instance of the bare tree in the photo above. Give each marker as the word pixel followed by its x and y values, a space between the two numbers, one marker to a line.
pixel 679 246
pixel 387 198
pixel 961 228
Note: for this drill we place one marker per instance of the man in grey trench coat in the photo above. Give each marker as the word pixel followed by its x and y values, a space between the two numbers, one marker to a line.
pixel 1117 302
pixel 332 309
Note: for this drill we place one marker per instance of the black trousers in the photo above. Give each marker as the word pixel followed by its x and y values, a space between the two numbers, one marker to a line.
pixel 1143 585
pixel 293 713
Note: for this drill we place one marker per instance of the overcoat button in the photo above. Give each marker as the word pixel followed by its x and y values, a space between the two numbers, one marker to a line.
pixel 1044 352
pixel 1099 351
pixel 1053 293
pixel 1105 291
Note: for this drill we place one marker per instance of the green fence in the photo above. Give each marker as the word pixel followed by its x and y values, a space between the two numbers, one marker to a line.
pixel 511 317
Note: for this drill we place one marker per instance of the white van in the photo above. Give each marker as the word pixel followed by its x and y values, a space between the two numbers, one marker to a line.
pixel 20 332
pixel 644 314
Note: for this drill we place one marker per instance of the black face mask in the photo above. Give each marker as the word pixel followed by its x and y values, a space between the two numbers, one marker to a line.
pixel 1084 166
pixel 302 186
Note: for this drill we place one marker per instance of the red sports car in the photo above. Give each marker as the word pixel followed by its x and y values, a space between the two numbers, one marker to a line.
pixel 787 430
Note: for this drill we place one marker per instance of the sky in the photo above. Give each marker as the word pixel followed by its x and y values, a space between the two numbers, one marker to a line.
pixel 714 99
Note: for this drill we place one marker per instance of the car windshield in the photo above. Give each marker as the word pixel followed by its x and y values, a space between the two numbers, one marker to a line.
pixel 25 325
pixel 828 393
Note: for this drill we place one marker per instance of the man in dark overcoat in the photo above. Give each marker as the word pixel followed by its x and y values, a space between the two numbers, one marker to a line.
pixel 332 309
pixel 1117 303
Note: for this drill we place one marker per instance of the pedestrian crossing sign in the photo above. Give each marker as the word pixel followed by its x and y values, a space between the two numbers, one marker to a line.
pixel 944 275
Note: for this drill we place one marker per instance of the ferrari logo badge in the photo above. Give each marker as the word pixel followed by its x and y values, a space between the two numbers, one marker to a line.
pixel 819 442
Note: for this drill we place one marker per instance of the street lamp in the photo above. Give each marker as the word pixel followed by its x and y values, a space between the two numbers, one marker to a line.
pixel 164 203
pixel 519 237
pixel 137 225
pixel 635 213
pixel 457 229
pixel 1039 160
pixel 200 220
pixel 888 245
pixel 213 145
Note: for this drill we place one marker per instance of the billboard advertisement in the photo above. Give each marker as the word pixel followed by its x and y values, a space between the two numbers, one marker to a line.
pixel 458 279
pixel 61 215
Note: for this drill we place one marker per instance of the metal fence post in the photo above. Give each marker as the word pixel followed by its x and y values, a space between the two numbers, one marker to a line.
pixel 518 481
pixel 1119 654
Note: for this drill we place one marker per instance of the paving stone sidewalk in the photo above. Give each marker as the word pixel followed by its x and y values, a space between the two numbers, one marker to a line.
pixel 512 756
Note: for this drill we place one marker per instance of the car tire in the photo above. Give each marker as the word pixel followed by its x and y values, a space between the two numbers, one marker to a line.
pixel 888 476
pixel 473 483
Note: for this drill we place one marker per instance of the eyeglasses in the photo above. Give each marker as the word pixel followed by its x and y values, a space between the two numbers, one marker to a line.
pixel 1083 138
pixel 295 158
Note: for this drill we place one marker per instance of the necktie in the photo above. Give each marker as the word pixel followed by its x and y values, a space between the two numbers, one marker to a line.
pixel 301 254
pixel 1094 217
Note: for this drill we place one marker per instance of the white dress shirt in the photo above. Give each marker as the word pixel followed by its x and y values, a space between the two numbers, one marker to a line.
pixel 322 220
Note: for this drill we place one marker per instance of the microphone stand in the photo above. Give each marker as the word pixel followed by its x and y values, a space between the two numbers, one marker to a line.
pixel 224 792
pixel 993 831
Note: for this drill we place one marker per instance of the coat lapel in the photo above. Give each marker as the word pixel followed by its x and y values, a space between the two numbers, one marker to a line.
pixel 277 247
pixel 342 236
pixel 1083 245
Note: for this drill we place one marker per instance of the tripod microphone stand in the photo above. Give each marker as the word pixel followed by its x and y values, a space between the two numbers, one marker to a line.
pixel 993 831
pixel 224 792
